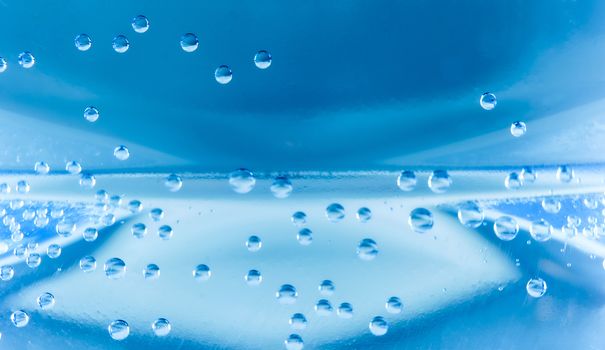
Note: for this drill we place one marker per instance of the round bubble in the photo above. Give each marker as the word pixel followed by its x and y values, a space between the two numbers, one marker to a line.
pixel 286 294
pixel 281 187
pixel 421 220
pixel 551 205
pixel 506 228
pixel 488 101
pixel 253 278
pixel 7 272
pixel 140 24
pixel 223 74
pixel 19 318
pixel 91 114
pixel 53 251
pixel 406 181
pixel 518 129
pixel 335 212
pixel 294 342
pixel 364 214
pixel 189 42
pixel 83 42
pixel 46 301
pixel 151 272
pixel 173 182
pixel 242 181
pixel 88 264
pixel 121 152
pixel 540 230
pixel 394 305
pixel 202 272
pixel 118 329
pixel 345 310
pixel 254 243
pixel 115 268
pixel 305 236
pixel 326 288
pixel 299 218
pixel 156 214
pixel 120 44
pixel 439 181
pixel 26 59
pixel 90 234
pixel 379 326
pixel 367 249
pixel 165 232
pixel 470 214
pixel 536 287
pixel 298 321
pixel 161 327
pixel 323 308
pixel 262 59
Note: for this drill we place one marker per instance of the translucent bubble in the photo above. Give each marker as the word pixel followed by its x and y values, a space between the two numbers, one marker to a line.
pixel 73 167
pixel 189 42
pixel 91 114
pixel 202 272
pixel 65 228
pixel 56 213
pixel 83 42
pixel 41 168
pixel 118 329
pixel 173 182
pixel 156 214
pixel 53 251
pixel 90 234
pixel 488 101
pixel 281 187
pixel 345 310
pixel 367 249
pixel 262 59
pixel 17 236
pixel 26 59
pixel 88 264
pixel 569 231
pixel 326 288
pixel 536 287
pixel 513 181
pixel 540 230
pixel 406 181
pixel 46 301
pixel 140 24
pixel 364 214
pixel 20 251
pixel 5 188
pixel 305 236
pixel 3 65
pixel 551 205
pixel 470 214
pixel 16 204
pixel 22 187
pixel 115 268
pixel 298 321
pixel 223 74
pixel 294 342
pixel 161 327
pixel 135 206
pixel 19 318
pixel 87 180
pixel 115 201
pixel 33 260
pixel 28 214
pixel 379 326
pixel 254 243
pixel 335 212
pixel 394 305
pixel 7 272
pixel 253 278
pixel 528 175
pixel 323 308
pixel 120 44
pixel 165 232
pixel 565 173
pixel 506 228
pixel 108 219
pixel 102 196
pixel 439 181
pixel 420 220
pixel 286 294
pixel 121 152
pixel 299 218
pixel 574 220
pixel 590 203
pixel 518 129
pixel 151 272
pixel 242 181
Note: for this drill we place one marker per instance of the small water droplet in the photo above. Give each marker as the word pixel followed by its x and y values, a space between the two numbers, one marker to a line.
pixel 518 129
pixel 394 305
pixel 156 214
pixel 262 59
pixel 439 181
pixel 536 287
pixel 298 321
pixel 121 152
pixel 33 260
pixel 65 228
pixel 189 42
pixel 151 272
pixel 135 206
pixel 88 264
pixel 161 327
pixel 139 230
pixel 281 187
pixel 506 228
pixel 299 218
pixel 242 181
pixel 326 288
pixel 22 187
pixel 254 243
pixel 115 268
pixel 83 42
pixel 88 180
pixel 173 182
pixel 551 205
pixel 202 272
pixel 421 220
pixel 253 278
pixel 19 318
pixel 335 212
pixel 120 44
pixel 53 251
pixel 367 249
pixel 286 294
pixel 90 234
pixel 73 167
pixel 364 214
pixel 26 59
pixel 118 329
pixel 540 230
pixel 406 181
pixel 140 24
pixel 470 214
pixel 41 168
pixel 565 174
pixel 528 175
pixel 3 65
pixel 305 236
pixel 345 310
pixel 323 308
pixel 379 326
pixel 294 342
pixel 223 74
pixel 7 272
pixel 513 181
pixel 46 301
pixel 488 101
pixel 165 232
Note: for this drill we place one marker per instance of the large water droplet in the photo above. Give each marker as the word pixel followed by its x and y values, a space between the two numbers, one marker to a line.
pixel 379 326
pixel 118 329
pixel 299 218
pixel 540 230
pixel 323 308
pixel 140 24
pixel 262 59
pixel 41 168
pixel 90 234
pixel 286 294
pixel 367 249
pixel 135 206
pixel 305 236
pixel 439 181
pixel 26 59
pixel 115 268
pixel 88 264
pixel 253 278
pixel 120 44
pixel 189 42
pixel 161 327
pixel 335 212
pixel 345 310
pixel 565 173
pixel 242 180
pixel 83 42
pixel 91 114
pixel 420 220
pixel 73 167
pixel 281 187
pixel 470 214
pixel 121 152
pixel 506 228
pixel 406 181
pixel 223 74
pixel 165 232
pixel 156 214
pixel 151 272
pixel 139 230
pixel 254 243
pixel 326 288
pixel 294 342
pixel 173 182
pixel 536 287
pixel 46 301
pixel 518 129
pixel 394 305
pixel 298 321
pixel 488 101
pixel 364 214
pixel 20 318
pixel 202 272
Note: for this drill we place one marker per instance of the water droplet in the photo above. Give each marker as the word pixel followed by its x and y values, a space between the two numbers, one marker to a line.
pixel 528 175
pixel 253 278
pixel 88 264
pixel 223 74
pixel 121 152
pixel 286 294
pixel 33 260
pixel 115 268
pixel 65 228
pixel 53 251
pixel 120 44
pixel 135 206
pixel 569 231
pixel 202 272
pixel 565 173
pixel 470 214
pixel 242 180
pixel 574 220
pixel 26 59
pixel 305 236
pixel 254 243
pixel 406 181
pixel 22 187
pixel 20 251
pixel 488 101
pixel 379 326
pixel 298 321
pixel 506 228
pixel 115 201
pixel 5 188
pixel 189 42
pixel 420 220
pixel 345 310
pixel 161 327
pixel 299 218
pixel 165 232
pixel 518 129
pixel 173 182
pixel 326 288
pixel 20 318
pixel 364 214
pixel 513 181
pixel 3 65
pixel 83 42
pixel 91 114
pixel 439 181
pixel 151 272
pixel 90 234
pixel 551 205
pixel 540 230
pixel 323 308
pixel 536 287
pixel 87 180
pixel 140 24
pixel 281 187
pixel 46 301
pixel 394 305
pixel 41 168
pixel 262 59
pixel 73 167
pixel 7 272
pixel 335 212
pixel 156 214
pixel 590 203
pixel 118 329
pixel 294 342
pixel 367 249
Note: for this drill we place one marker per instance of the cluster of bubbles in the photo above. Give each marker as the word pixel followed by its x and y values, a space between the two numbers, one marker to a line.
pixel 120 329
